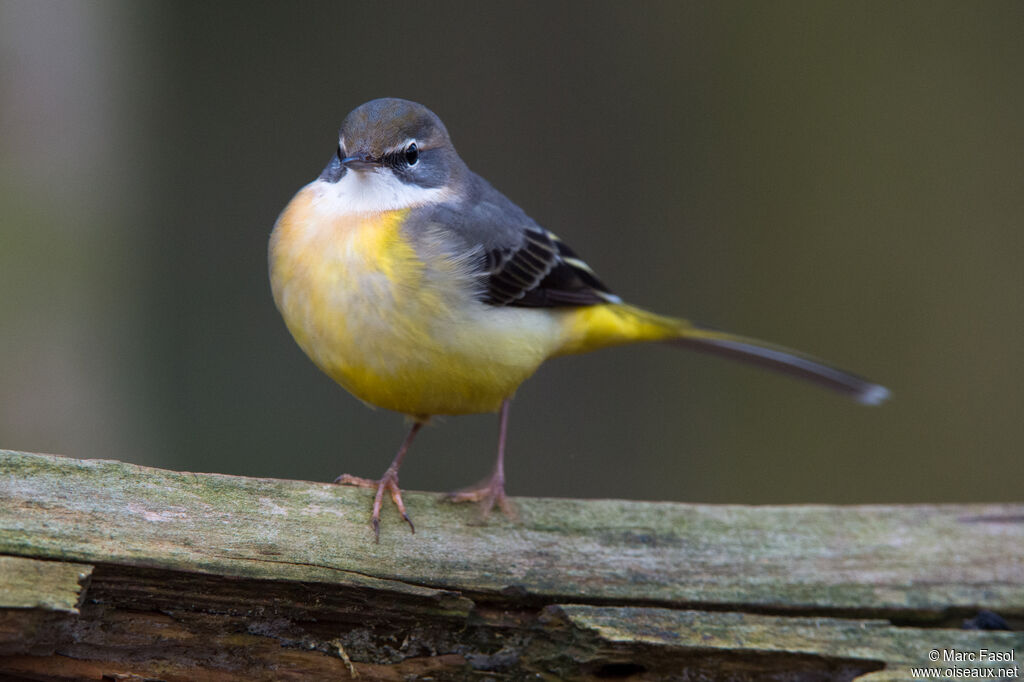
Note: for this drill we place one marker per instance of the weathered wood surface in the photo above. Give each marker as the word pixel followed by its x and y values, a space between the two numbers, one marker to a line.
pixel 111 569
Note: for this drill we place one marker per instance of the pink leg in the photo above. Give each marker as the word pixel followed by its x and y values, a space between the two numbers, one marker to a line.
pixel 389 482
pixel 493 491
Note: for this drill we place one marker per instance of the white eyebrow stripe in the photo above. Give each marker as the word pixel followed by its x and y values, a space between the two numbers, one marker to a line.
pixel 400 147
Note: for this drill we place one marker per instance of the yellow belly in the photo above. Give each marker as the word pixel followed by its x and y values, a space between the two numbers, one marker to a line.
pixel 397 327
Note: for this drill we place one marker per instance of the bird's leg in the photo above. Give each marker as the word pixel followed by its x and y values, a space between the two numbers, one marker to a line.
pixel 493 491
pixel 389 482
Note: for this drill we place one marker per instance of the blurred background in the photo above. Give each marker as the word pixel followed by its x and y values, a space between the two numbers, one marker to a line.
pixel 842 178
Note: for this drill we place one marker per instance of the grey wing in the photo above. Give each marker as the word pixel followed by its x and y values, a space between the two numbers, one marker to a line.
pixel 522 263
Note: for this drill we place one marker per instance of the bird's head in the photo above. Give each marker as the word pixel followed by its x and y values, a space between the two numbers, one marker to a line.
pixel 393 153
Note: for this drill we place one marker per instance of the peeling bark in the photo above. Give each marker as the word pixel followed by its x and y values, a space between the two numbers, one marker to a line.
pixel 109 569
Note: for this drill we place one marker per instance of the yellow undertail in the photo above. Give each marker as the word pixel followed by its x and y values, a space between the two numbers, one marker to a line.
pixel 602 326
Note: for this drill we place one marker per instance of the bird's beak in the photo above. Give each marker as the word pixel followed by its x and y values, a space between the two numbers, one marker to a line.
pixel 360 162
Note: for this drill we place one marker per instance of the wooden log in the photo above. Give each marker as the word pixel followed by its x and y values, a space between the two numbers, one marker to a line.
pixel 109 569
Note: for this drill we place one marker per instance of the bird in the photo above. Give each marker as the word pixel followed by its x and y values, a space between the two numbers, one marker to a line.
pixel 419 288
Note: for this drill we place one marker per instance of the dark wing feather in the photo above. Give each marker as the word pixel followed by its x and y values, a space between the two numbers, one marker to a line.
pixel 520 263
pixel 541 272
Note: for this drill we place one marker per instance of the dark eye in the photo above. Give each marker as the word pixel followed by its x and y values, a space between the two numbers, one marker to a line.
pixel 412 154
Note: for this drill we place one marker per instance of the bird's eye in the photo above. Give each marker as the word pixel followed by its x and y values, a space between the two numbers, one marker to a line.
pixel 412 154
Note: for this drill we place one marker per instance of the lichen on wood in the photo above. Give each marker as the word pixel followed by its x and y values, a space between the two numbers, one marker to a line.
pixel 108 568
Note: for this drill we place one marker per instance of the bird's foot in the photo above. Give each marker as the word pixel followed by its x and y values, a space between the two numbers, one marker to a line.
pixel 389 482
pixel 349 479
pixel 488 494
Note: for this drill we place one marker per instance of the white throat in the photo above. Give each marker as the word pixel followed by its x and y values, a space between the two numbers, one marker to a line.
pixel 373 191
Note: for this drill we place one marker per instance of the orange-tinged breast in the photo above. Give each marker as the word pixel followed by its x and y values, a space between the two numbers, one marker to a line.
pixel 398 329
pixel 338 279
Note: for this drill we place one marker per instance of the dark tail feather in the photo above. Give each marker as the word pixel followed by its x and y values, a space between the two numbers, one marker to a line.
pixel 781 360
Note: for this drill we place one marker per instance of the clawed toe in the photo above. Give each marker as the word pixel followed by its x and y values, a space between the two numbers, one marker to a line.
pixel 493 492
pixel 389 482
pixel 349 479
pixel 486 495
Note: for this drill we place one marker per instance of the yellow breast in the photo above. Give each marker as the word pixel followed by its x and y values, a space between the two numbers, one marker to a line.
pixel 397 323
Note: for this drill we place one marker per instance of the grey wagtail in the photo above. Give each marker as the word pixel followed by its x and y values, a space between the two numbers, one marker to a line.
pixel 420 288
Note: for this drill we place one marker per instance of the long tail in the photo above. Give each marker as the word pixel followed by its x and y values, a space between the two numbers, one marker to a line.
pixel 615 324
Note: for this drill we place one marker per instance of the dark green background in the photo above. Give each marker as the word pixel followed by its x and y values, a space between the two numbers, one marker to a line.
pixel 844 178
